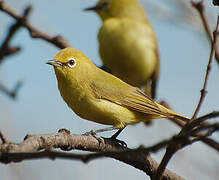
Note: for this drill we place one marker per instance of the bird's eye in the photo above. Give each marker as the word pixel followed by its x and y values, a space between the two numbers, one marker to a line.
pixel 71 63
pixel 105 4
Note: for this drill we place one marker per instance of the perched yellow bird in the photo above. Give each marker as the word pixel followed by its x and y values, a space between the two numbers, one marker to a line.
pixel 98 96
pixel 127 43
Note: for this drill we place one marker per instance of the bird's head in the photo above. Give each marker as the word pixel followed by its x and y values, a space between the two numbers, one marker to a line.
pixel 71 64
pixel 117 8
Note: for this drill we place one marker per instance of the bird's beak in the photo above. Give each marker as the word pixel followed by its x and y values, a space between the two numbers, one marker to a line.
pixel 94 8
pixel 97 7
pixel 54 63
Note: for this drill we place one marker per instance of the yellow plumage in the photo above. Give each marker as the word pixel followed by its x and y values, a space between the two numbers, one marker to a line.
pixel 98 96
pixel 127 42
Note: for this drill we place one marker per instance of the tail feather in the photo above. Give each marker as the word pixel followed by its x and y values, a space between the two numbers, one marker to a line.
pixel 180 117
pixel 172 114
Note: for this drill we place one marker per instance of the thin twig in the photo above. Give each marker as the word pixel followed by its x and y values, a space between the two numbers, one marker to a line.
pixel 11 93
pixel 179 142
pixel 203 91
pixel 201 119
pixel 200 7
pixel 211 128
pixel 58 40
pixel 6 49
pixel 210 142
pixel 186 131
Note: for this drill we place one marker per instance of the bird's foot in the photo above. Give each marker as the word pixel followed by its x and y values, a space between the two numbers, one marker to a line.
pixel 101 139
pixel 94 134
pixel 121 143
pixel 90 133
pixel 117 141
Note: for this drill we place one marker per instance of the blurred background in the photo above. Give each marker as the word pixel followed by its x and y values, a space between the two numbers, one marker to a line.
pixel 184 51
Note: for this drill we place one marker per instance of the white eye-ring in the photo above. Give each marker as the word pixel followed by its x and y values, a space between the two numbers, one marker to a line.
pixel 71 63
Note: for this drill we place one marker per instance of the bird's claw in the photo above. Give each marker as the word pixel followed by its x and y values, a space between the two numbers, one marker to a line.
pixel 118 142
pixel 90 133
pixel 121 143
pixel 101 139
pixel 94 134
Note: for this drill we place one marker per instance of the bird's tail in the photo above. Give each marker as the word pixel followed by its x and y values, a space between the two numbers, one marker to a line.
pixel 171 114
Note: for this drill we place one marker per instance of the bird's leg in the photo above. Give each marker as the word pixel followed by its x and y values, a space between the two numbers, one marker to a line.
pixel 94 133
pixel 114 136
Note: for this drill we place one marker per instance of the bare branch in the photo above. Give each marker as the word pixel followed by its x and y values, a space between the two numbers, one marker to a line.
pixel 211 128
pixel 28 149
pixel 11 93
pixel 210 142
pixel 200 7
pixel 139 158
pixel 201 119
pixel 58 40
pixel 5 49
pixel 203 91
pixel 174 146
pixel 182 140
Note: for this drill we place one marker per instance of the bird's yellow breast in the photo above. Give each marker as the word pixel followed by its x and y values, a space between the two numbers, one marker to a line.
pixel 129 48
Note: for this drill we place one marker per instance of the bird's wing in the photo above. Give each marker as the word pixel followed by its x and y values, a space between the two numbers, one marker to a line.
pixel 140 102
pixel 125 95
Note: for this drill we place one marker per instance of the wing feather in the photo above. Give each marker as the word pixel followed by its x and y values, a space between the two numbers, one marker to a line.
pixel 111 88
pixel 131 98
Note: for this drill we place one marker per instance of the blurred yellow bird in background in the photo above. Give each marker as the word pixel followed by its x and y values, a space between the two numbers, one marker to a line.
pixel 128 44
pixel 98 96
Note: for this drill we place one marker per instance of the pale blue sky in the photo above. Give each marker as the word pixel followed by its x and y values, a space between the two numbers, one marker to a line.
pixel 40 109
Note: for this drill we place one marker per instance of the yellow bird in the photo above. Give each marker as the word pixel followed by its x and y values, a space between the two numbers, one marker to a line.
pixel 127 43
pixel 98 96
